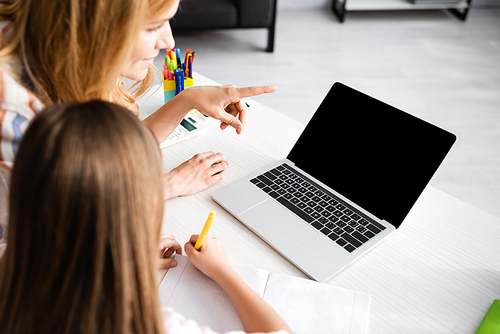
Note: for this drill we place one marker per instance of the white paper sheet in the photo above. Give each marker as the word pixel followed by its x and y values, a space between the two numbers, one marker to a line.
pixel 306 306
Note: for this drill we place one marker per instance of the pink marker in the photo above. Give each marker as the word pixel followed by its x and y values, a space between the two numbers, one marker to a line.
pixel 165 72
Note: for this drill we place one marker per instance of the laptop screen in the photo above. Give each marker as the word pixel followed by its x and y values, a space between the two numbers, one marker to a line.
pixel 377 156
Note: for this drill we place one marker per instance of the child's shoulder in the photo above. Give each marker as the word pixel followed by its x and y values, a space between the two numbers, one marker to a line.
pixel 176 323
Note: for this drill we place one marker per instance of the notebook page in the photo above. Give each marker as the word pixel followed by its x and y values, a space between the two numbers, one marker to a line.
pixel 254 277
pixel 196 296
pixel 312 307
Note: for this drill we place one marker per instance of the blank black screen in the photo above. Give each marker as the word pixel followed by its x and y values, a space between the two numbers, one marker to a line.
pixel 377 156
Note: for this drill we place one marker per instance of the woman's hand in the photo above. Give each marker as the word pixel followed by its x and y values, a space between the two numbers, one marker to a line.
pixel 168 245
pixel 211 259
pixel 224 102
pixel 197 174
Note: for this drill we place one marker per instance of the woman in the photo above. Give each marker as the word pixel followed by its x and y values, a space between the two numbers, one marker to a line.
pixel 85 217
pixel 79 50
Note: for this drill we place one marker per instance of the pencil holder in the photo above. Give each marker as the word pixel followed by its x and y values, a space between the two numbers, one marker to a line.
pixel 169 87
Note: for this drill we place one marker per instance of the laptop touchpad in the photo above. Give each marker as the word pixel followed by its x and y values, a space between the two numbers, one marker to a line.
pixel 281 228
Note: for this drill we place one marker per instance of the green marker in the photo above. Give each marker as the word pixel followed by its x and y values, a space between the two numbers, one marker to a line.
pixel 491 322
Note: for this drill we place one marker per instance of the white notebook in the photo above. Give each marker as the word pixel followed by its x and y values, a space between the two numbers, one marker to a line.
pixel 306 306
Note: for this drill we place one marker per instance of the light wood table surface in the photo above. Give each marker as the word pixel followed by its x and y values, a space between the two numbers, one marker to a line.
pixel 438 273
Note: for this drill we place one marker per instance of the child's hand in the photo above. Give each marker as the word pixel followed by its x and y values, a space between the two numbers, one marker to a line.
pixel 211 259
pixel 168 245
pixel 255 314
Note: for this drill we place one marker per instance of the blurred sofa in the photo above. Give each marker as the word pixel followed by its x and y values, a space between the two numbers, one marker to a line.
pixel 227 14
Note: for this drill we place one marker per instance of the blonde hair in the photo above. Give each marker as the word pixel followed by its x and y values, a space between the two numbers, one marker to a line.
pixel 75 50
pixel 85 218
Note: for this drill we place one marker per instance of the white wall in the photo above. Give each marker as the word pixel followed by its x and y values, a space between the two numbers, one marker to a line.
pixel 327 3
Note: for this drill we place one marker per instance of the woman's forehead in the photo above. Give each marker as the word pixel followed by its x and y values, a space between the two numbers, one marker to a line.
pixel 163 10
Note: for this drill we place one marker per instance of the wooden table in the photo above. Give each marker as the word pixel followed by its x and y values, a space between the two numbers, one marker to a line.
pixel 438 273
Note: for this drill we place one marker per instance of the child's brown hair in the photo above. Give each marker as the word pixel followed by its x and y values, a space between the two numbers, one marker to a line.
pixel 85 214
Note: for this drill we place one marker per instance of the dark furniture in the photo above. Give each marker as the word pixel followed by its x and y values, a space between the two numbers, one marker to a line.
pixel 459 8
pixel 227 14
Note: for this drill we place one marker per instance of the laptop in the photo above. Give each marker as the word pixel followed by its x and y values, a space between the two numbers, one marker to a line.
pixel 349 181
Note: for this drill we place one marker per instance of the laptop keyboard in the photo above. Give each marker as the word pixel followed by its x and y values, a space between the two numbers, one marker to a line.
pixel 321 209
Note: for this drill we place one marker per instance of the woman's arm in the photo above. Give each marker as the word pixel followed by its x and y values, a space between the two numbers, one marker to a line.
pixel 255 314
pixel 163 121
pixel 197 174
pixel 220 102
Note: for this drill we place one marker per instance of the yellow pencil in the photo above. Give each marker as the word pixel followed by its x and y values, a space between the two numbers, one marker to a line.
pixel 205 230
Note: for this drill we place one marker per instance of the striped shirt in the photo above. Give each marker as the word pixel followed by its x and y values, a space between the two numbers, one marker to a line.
pixel 18 106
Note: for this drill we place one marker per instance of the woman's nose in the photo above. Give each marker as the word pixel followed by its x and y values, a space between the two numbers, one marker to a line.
pixel 165 39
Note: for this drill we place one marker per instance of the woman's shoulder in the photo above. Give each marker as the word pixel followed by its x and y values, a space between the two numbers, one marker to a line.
pixel 18 106
pixel 176 323
pixel 15 97
pixel 3 247
pixel 6 31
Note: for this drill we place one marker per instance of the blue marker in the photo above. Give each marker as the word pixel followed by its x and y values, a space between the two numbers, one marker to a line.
pixel 178 56
pixel 179 80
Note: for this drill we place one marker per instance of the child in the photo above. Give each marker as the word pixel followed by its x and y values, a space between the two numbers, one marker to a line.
pixel 85 215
